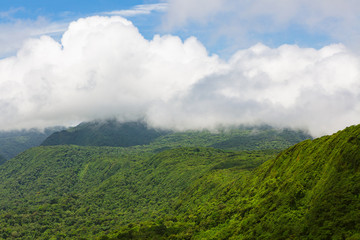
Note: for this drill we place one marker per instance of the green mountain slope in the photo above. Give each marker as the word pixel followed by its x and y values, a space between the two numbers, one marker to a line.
pixel 309 191
pixel 14 142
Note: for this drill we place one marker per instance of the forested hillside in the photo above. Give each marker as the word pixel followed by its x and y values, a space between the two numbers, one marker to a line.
pixel 87 191
pixel 178 187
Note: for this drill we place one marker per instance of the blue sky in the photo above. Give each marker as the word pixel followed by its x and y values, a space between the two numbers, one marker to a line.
pixel 22 19
pixel 181 64
pixel 222 30
pixel 57 10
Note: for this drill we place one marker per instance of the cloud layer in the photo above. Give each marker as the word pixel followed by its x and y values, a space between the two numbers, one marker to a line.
pixel 338 19
pixel 103 67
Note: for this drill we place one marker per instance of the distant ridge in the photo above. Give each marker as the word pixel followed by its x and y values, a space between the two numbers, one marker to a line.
pixel 105 133
pixel 14 142
pixel 115 134
pixel 263 135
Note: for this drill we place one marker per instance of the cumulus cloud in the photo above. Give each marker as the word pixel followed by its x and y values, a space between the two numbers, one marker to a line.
pixel 288 86
pixel 103 67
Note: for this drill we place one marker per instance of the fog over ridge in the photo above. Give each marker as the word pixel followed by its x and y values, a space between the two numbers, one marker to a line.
pixel 104 68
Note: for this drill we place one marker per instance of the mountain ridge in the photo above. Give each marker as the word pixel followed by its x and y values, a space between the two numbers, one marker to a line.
pixel 105 133
pixel 14 142
pixel 126 134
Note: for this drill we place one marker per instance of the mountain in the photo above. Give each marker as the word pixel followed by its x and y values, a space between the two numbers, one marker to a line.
pixel 178 187
pixel 115 134
pixel 105 133
pixel 14 142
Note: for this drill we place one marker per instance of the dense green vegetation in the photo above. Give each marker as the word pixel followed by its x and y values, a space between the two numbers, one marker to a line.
pixel 183 186
pixel 86 191
pixel 309 191
pixel 14 142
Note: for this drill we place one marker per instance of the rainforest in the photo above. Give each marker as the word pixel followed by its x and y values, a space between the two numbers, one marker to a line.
pixel 248 182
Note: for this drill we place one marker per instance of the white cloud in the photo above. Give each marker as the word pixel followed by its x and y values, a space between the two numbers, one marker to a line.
pixel 287 86
pixel 139 10
pixel 103 67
